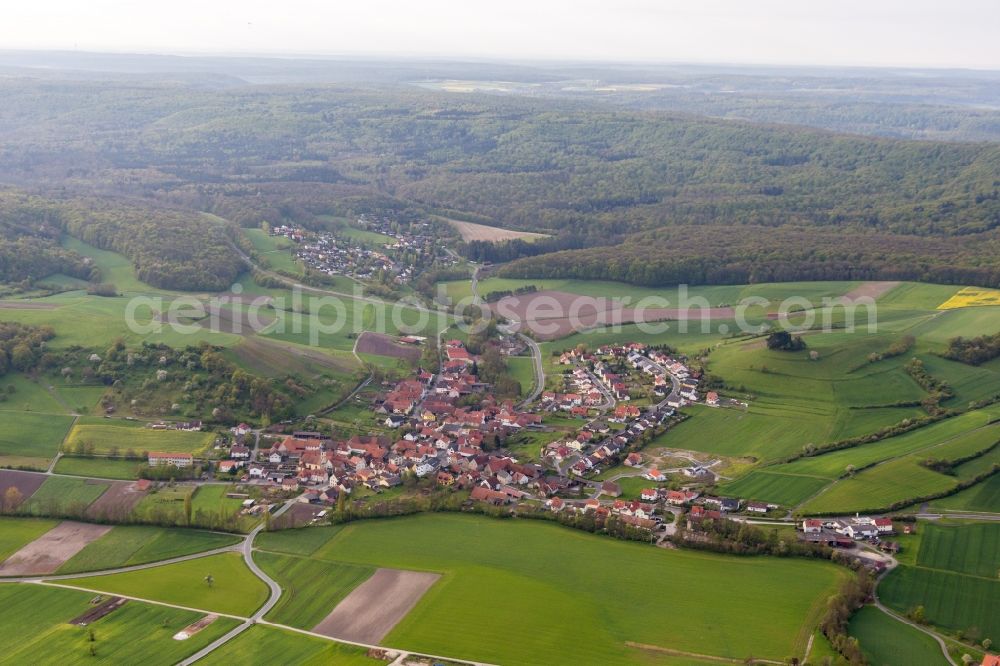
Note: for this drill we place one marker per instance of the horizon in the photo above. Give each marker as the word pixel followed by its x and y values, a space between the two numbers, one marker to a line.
pixel 894 34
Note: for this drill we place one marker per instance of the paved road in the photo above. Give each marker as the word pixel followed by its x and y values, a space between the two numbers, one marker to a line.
pixel 134 567
pixel 904 620
pixel 509 329
pixel 247 549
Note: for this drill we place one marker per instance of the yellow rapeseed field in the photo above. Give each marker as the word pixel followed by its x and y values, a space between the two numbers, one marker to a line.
pixel 971 296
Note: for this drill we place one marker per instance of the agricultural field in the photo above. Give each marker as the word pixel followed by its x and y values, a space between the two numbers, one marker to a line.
pixel 507 557
pixel 310 588
pixel 970 548
pixel 886 640
pixel 61 494
pixel 336 326
pixel 470 231
pixel 984 496
pixel 127 435
pixel 783 489
pixel 972 297
pixel 896 480
pixel 954 578
pixel 35 628
pixel 950 600
pixel 263 646
pixel 30 439
pixel 126 545
pixel 99 467
pixel 18 532
pixel 234 590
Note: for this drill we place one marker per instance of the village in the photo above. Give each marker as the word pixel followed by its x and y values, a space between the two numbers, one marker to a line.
pixel 451 435
pixel 372 249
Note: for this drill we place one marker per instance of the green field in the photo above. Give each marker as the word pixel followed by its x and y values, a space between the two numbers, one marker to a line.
pixel 714 295
pixel 235 590
pixel 264 646
pixel 522 368
pixel 275 250
pixel 34 629
pixel 954 578
pixel 22 394
pixel 888 642
pixel 28 439
pixel 102 468
pixel 969 427
pixel 730 606
pixel 310 588
pixel 61 494
pixel 950 600
pixel 903 478
pixel 972 549
pixel 784 489
pixel 984 496
pixel 139 439
pixel 126 545
pixel 16 533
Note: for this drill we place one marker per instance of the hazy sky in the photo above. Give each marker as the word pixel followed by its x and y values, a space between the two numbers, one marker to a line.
pixel 936 33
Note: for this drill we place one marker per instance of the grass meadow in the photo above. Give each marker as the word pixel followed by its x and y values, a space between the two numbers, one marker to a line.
pixel 235 589
pixel 276 250
pixel 102 468
pixel 954 578
pixel 126 545
pixel 264 646
pixel 29 439
pixel 34 629
pixel 784 489
pixel 131 435
pixel 886 640
pixel 984 496
pixel 699 602
pixel 62 494
pixel 310 588
pixel 15 533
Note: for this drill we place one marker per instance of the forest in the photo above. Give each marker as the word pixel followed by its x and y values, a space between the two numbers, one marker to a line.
pixel 131 167
pixel 974 351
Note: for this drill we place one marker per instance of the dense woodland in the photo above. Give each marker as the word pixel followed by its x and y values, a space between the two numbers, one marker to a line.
pixel 169 248
pixel 740 254
pixel 974 351
pixel 683 199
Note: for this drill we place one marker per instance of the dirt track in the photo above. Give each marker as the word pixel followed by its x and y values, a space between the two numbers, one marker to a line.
pixel 50 551
pixel 373 608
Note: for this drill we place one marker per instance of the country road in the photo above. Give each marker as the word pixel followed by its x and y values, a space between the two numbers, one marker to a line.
pixel 275 589
pixel 246 548
pixel 891 613
pixel 510 329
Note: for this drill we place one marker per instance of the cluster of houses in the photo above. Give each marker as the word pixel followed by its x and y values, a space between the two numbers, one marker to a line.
pixel 330 253
pixel 596 446
pixel 856 528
